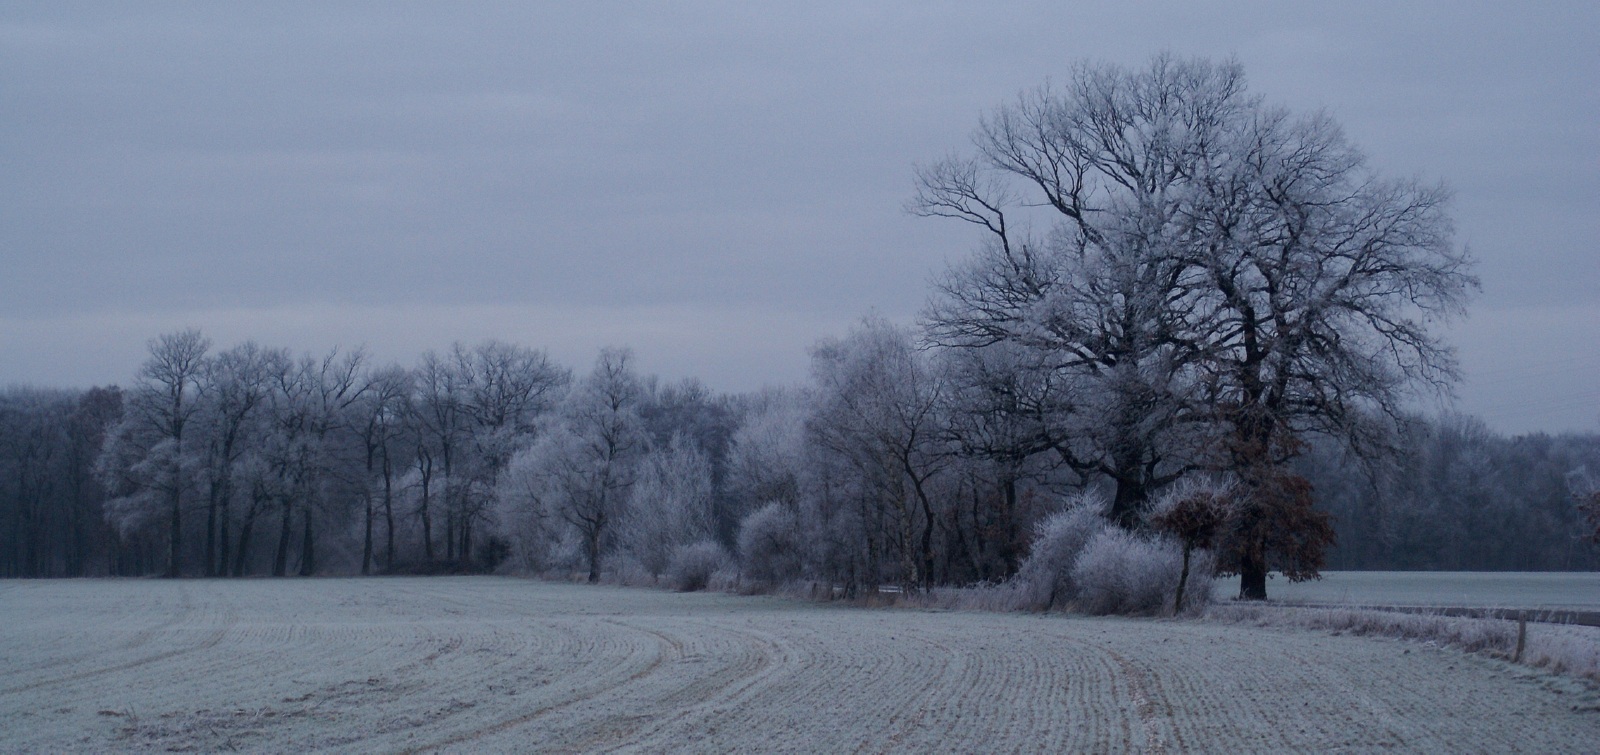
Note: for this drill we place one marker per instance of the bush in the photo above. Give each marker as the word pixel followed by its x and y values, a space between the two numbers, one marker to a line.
pixel 693 566
pixel 1045 578
pixel 769 544
pixel 1122 572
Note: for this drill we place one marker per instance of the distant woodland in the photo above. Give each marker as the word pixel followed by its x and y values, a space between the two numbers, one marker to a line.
pixel 1197 317
pixel 405 471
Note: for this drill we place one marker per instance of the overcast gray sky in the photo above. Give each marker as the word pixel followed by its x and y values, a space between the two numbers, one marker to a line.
pixel 714 184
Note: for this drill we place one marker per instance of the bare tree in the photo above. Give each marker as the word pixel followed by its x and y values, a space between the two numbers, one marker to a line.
pixel 1322 283
pixel 579 474
pixel 669 506
pixel 877 412
pixel 1106 295
pixel 310 457
pixel 506 393
pixel 1007 410
pixel 1221 276
pixel 148 461
pixel 378 420
pixel 236 385
pixel 439 428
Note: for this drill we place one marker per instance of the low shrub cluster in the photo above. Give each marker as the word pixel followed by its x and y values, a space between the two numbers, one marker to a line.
pixel 1080 560
pixel 694 566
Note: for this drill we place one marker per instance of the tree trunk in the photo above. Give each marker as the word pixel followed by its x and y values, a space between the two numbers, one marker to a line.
pixel 223 536
pixel 1183 580
pixel 1008 528
pixel 1252 577
pixel 449 533
pixel 1129 499
pixel 388 518
pixel 176 538
pixel 240 557
pixel 926 543
pixel 592 545
pixel 211 531
pixel 366 543
pixel 280 561
pixel 308 549
pixel 427 524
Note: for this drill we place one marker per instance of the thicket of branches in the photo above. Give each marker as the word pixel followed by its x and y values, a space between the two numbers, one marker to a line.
pixel 1203 311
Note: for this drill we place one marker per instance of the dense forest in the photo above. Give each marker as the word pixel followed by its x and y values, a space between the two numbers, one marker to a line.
pixel 1197 316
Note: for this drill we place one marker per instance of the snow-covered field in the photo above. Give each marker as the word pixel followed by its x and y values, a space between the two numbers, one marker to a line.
pixel 475 664
pixel 1567 590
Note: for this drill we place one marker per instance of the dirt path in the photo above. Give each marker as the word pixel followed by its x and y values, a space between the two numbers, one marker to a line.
pixel 475 664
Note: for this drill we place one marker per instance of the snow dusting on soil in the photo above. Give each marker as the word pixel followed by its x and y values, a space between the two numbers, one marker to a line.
pixel 475 664
pixel 1538 590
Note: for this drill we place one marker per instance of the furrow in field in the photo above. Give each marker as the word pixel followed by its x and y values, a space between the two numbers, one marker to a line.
pixel 614 660
pixel 730 665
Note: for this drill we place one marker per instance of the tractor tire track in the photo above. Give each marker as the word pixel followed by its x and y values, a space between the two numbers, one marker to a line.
pixel 664 647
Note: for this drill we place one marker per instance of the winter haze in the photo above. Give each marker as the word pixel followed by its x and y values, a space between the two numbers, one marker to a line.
pixel 714 184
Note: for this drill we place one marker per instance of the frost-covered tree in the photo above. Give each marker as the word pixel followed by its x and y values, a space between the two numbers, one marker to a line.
pixel 706 419
pixel 150 461
pixel 505 393
pixel 669 506
pixel 1106 293
pixel 579 474
pixel 311 451
pixel 236 385
pixel 1007 408
pixel 378 419
pixel 1221 277
pixel 440 427
pixel 876 414
pixel 771 544
pixel 1323 283
pixel 767 454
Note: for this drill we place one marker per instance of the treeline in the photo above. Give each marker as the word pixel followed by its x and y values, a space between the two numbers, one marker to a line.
pixel 1464 498
pixel 251 461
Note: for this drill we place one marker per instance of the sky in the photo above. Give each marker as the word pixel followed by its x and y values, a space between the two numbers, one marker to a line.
pixel 716 185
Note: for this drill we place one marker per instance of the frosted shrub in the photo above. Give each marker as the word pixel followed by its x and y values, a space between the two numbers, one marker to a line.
pixel 693 566
pixel 1122 572
pixel 1045 578
pixel 769 544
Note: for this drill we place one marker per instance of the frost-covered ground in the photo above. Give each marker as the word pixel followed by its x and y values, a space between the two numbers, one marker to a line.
pixel 475 664
pixel 1570 590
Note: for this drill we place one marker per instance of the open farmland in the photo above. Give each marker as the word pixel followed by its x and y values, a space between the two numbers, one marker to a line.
pixel 1531 590
pixel 505 664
